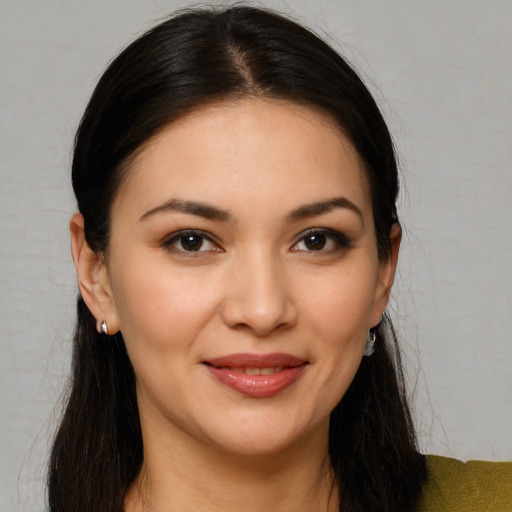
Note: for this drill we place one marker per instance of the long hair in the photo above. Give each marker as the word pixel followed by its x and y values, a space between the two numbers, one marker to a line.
pixel 197 57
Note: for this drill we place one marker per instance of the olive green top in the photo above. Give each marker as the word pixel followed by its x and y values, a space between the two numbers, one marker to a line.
pixel 474 486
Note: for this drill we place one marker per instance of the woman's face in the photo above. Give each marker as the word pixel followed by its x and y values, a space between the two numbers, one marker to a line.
pixel 244 276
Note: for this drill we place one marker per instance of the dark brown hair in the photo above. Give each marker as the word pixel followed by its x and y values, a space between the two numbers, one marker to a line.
pixel 195 57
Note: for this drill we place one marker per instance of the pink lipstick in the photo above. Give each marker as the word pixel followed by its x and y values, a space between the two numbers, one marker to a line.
pixel 257 376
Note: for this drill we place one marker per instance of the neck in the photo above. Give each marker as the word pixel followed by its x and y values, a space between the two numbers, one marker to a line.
pixel 178 477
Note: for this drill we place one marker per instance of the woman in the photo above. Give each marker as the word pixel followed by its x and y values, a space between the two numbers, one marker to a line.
pixel 235 250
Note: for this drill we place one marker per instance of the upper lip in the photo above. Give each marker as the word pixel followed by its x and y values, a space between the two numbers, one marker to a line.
pixel 256 360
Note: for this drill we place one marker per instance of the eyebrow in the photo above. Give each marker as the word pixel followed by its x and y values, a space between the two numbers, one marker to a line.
pixel 213 213
pixel 192 207
pixel 321 207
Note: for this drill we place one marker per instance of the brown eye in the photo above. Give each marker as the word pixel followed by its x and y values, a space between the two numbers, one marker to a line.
pixel 315 242
pixel 322 240
pixel 191 242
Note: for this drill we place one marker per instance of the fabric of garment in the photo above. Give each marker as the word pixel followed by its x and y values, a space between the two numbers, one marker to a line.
pixel 473 486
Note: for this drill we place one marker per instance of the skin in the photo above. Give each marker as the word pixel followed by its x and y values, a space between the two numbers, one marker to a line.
pixel 257 285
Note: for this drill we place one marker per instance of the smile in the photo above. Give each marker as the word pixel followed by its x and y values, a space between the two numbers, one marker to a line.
pixel 257 376
pixel 257 371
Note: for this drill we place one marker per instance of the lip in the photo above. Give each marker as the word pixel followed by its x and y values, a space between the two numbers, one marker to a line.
pixel 230 371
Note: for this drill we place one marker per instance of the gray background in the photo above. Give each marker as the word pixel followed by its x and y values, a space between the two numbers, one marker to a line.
pixel 442 73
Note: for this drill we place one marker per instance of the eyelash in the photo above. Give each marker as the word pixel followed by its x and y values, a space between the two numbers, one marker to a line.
pixel 178 238
pixel 340 241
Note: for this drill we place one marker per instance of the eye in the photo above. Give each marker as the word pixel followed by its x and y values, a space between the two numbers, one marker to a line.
pixel 321 240
pixel 191 241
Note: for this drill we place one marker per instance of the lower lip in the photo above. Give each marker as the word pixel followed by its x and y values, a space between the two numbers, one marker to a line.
pixel 257 386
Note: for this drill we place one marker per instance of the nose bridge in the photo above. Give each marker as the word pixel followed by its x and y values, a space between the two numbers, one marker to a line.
pixel 258 297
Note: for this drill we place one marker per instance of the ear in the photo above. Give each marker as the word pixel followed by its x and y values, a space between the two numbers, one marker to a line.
pixel 386 277
pixel 92 276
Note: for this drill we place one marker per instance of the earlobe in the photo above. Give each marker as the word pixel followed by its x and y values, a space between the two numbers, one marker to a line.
pixel 92 277
pixel 387 275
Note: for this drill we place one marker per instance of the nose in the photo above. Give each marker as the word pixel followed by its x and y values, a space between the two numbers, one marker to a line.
pixel 259 295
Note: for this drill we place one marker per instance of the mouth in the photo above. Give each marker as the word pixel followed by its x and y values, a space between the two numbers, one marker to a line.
pixel 257 376
pixel 254 370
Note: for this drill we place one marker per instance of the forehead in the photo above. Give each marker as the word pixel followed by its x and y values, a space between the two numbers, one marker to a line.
pixel 250 150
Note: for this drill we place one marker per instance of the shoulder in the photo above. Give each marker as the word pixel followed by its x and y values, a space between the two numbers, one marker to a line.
pixel 454 486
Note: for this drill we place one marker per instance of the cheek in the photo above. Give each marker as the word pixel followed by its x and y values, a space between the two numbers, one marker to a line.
pixel 159 307
pixel 340 301
pixel 337 312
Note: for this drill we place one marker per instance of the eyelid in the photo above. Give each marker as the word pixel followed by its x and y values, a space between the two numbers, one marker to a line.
pixel 174 237
pixel 342 240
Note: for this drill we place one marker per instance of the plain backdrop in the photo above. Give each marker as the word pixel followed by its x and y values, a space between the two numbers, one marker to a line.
pixel 442 74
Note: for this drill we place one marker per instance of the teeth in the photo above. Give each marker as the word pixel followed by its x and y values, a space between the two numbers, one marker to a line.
pixel 270 371
pixel 257 371
pixel 237 370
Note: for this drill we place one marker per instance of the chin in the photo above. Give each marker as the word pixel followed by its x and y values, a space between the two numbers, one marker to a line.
pixel 258 445
pixel 254 437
